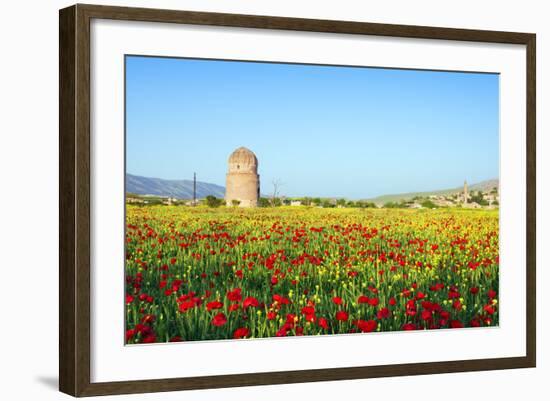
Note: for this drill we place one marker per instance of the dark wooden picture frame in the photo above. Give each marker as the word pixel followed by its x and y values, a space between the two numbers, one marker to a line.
pixel 74 199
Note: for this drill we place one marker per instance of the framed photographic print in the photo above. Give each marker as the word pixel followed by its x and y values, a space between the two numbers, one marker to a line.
pixel 281 200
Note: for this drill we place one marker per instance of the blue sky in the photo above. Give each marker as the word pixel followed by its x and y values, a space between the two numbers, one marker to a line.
pixel 320 130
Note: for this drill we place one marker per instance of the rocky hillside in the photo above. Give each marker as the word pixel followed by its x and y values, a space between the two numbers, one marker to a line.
pixel 179 189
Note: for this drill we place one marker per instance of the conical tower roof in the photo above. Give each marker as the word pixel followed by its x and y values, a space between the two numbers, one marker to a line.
pixel 243 155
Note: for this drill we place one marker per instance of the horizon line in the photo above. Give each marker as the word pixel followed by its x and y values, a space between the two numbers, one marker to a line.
pixel 332 197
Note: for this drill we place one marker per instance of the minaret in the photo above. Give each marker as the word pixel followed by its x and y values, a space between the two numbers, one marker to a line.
pixel 465 192
pixel 242 186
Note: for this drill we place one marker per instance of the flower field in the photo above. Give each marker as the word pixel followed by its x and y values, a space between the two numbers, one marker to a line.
pixel 228 273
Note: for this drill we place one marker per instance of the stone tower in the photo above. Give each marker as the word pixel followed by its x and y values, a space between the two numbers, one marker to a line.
pixel 242 180
pixel 465 192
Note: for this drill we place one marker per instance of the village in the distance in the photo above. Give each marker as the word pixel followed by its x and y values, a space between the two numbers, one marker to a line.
pixel 481 197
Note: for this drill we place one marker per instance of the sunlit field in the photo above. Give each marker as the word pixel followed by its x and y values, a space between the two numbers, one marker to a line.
pixel 230 273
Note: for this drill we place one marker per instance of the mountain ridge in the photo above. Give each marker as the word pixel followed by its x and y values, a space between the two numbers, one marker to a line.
pixel 183 189
pixel 479 186
pixel 180 189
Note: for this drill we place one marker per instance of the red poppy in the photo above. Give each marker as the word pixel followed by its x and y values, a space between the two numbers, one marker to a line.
pixel 176 285
pixel 184 297
pixel 310 318
pixel 322 322
pixel 213 305
pixel 280 299
pixel 426 315
pixel 363 299
pixel 410 307
pixel 453 294
pixel 473 265
pixel 241 332
pixel 408 326
pixel 475 323
pixel 437 287
pixel 291 319
pixel 130 334
pixel 383 313
pixel 151 338
pixel 281 332
pixel 457 305
pixel 337 300
pixel 342 316
pixel 129 299
pixel 143 329
pixel 308 310
pixel 373 301
pixel 219 320
pixel 234 295
pixel 427 305
pixel 366 326
pixel 456 324
pixel 250 301
pixel 489 309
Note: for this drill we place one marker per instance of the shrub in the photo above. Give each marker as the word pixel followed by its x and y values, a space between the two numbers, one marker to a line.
pixel 212 201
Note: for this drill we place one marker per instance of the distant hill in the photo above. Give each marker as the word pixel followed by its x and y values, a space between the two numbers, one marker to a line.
pixel 480 186
pixel 180 189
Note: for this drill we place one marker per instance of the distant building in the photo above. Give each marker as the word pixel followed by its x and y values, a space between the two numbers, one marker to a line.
pixel 134 200
pixel 295 203
pixel 242 180
pixel 472 205
pixel 169 201
pixel 465 192
pixel 443 202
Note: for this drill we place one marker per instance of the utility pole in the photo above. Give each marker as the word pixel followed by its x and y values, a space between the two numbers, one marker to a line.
pixel 194 189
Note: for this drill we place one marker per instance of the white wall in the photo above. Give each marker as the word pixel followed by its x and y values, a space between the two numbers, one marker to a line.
pixel 28 205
